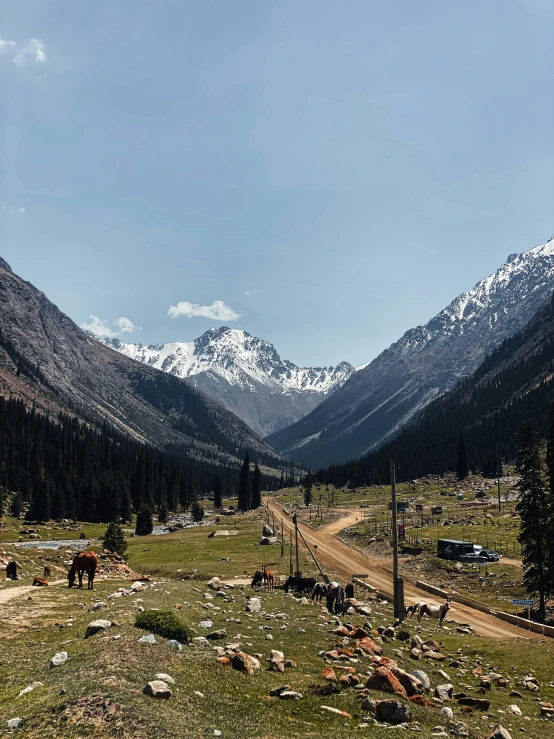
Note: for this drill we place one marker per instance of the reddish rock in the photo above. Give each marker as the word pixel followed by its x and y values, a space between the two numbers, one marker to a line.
pixel 368 645
pixel 245 663
pixel 420 700
pixel 341 631
pixel 358 633
pixel 223 660
pixel 410 683
pixel 329 674
pixel 383 680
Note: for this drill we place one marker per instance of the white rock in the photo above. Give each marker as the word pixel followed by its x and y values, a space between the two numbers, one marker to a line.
pixel 58 659
pixel 158 689
pixel 176 645
pixel 148 639
pixel 516 710
pixel 164 677
pixel 95 626
pixel 15 723
pixel 30 688
pixel 447 713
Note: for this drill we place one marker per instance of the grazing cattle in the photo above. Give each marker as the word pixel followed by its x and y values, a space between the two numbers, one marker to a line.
pixel 40 582
pixel 335 597
pixel 83 562
pixel 257 580
pixel 11 570
pixel 425 609
pixel 47 571
pixel 319 592
pixel 269 578
pixel 300 584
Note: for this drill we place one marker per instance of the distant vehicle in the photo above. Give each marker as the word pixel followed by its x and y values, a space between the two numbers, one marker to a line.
pixel 453 549
pixel 460 496
pixel 482 556
pixel 489 555
pixel 436 510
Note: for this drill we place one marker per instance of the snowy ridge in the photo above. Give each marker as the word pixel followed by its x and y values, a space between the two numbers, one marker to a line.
pixel 246 365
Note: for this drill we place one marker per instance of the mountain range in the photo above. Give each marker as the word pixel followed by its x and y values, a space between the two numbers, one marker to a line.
pixel 387 393
pixel 53 365
pixel 245 374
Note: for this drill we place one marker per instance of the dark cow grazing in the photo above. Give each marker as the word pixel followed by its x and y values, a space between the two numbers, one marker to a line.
pixel 349 590
pixel 83 562
pixel 40 582
pixel 319 592
pixel 257 580
pixel 300 584
pixel 47 571
pixel 11 570
pixel 335 598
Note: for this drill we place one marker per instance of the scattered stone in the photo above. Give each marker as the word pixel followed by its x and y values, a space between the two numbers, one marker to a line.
pixel 95 626
pixel 547 709
pixel 423 678
pixel 198 693
pixel 383 680
pixel 207 624
pixel 58 659
pixel 279 690
pixel 444 692
pixel 245 663
pixel 344 714
pixel 15 723
pixel 267 530
pixel 30 689
pixel 290 695
pixel 176 645
pixel 480 704
pixel 515 694
pixel 157 689
pixel 403 635
pixel 392 712
pixel 214 583
pixel 200 641
pixel 148 639
pixel 329 674
pixel 215 635
pixel 164 677
pixel 254 605
pixel 99 606
pixel 447 713
pixel 516 710
pixel 499 732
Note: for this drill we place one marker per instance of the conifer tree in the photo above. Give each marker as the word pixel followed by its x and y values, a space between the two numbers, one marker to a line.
pixel 197 512
pixel 114 540
pixel 17 505
pixel 245 486
pixel 462 466
pixel 257 488
pixel 218 498
pixel 308 485
pixel 145 525
pixel 163 512
pixel 531 507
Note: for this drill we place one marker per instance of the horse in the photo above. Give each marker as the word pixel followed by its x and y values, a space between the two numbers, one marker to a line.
pixel 335 597
pixel 83 562
pixel 11 570
pixel 269 578
pixel 47 571
pixel 319 592
pixel 257 580
pixel 300 584
pixel 425 609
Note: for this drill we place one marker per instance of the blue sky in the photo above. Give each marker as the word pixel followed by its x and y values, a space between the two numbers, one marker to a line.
pixel 324 175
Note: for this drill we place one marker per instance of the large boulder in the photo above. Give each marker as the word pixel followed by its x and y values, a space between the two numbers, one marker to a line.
pixel 499 732
pixel 58 659
pixel 254 605
pixel 267 540
pixel 157 689
pixel 392 712
pixel 214 583
pixel 95 626
pixel 444 692
pixel 267 530
pixel 245 663
pixel 411 684
pixel 383 680
pixel 423 678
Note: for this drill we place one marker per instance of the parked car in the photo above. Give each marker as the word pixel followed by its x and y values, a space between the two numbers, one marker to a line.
pixel 480 557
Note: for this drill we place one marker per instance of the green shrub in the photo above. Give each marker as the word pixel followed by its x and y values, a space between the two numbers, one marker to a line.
pixel 164 623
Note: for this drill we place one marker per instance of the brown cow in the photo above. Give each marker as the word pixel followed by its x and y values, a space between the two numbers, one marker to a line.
pixel 11 570
pixel 268 577
pixel 47 571
pixel 83 562
pixel 40 582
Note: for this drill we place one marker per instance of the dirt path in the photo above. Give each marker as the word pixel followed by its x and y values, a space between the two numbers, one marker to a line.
pixel 11 593
pixel 346 561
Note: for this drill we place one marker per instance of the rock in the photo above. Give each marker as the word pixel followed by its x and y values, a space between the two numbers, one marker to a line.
pixel 269 637
pixel 95 626
pixel 99 606
pixel 58 659
pixel 480 704
pixel 207 624
pixel 157 689
pixel 444 692
pixel 214 583
pixel 437 656
pixel 344 714
pixel 458 728
pixel 148 639
pixel 254 605
pixel 363 610
pixel 277 661
pixel 290 695
pixel 266 540
pixel 547 709
pixel 200 641
pixel 219 634
pixel 431 646
pixel 412 685
pixel 447 713
pixel 279 690
pixel 383 680
pixel 423 678
pixel 174 644
pixel 198 693
pixel 245 663
pixel 403 635
pixel 15 723
pixel 485 684
pixel 499 732
pixel 392 712
pixel 515 694
pixel 416 653
pixel 267 530
pixel 329 674
pixel 164 677
pixel 30 689
pixel 417 642
pixel 516 710
pixel 137 587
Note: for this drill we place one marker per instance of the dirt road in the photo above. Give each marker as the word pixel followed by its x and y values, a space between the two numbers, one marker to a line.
pixel 346 561
pixel 9 594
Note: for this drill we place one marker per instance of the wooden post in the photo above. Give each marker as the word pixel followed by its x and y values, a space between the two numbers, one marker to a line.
pixel 398 583
pixel 295 521
pixel 282 538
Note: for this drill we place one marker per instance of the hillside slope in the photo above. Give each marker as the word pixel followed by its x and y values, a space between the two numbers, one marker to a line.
pixel 245 374
pixel 511 387
pixel 47 359
pixel 382 397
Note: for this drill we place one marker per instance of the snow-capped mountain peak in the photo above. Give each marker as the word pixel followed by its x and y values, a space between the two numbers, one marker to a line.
pixel 226 362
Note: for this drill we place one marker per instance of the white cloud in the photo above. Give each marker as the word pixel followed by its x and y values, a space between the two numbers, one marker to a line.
pixel 251 292
pixel 217 311
pixel 32 53
pixel 11 209
pixel 5 45
pixel 103 328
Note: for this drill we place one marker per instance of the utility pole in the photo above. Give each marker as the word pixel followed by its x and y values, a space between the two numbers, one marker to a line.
pixel 290 557
pixel 295 521
pixel 282 538
pixel 398 583
pixel 498 476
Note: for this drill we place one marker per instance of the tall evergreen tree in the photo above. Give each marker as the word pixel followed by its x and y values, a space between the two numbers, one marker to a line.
pixel 218 497
pixel 245 486
pixel 145 525
pixel 462 466
pixel 17 505
pixel 257 488
pixel 114 540
pixel 197 512
pixel 531 507
pixel 308 485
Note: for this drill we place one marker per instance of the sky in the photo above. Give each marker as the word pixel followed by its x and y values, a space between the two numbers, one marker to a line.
pixel 323 175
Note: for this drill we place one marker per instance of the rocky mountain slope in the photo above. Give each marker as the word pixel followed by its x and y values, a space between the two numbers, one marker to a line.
pixel 244 373
pixel 383 396
pixel 48 360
